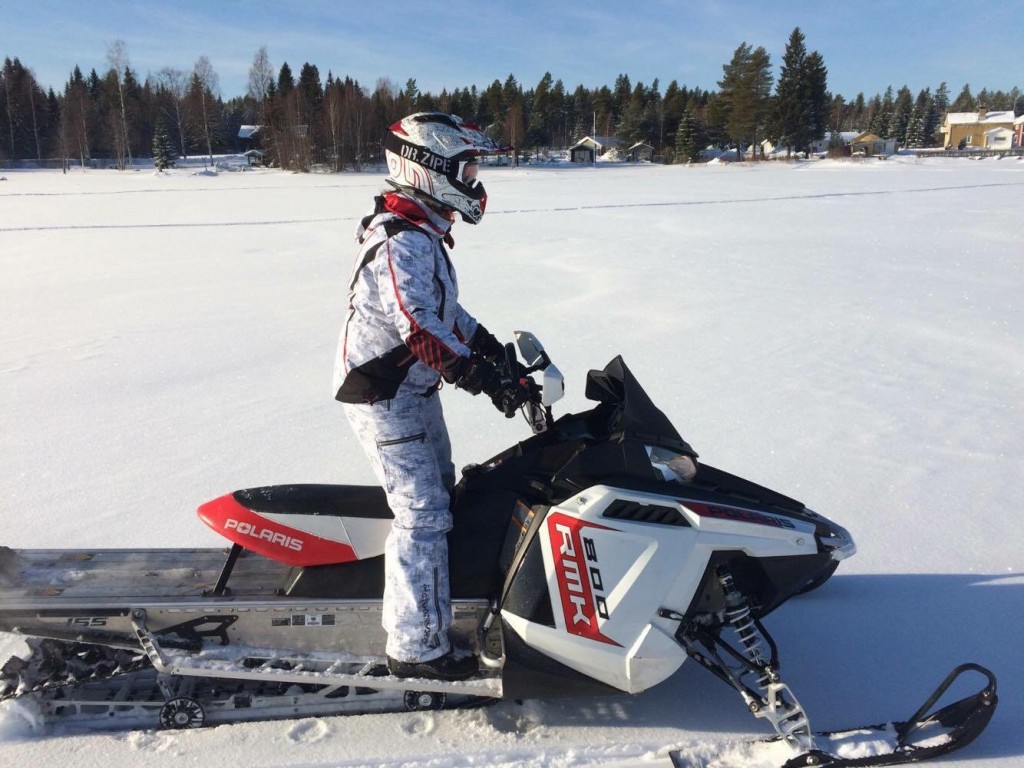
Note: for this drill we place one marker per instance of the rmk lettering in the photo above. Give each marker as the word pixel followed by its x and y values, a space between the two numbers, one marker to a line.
pixel 581 585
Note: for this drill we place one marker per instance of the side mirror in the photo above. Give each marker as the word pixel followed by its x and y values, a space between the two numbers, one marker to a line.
pixel 533 354
pixel 531 350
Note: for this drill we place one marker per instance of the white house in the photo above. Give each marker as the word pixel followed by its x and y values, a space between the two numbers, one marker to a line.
pixel 843 138
pixel 998 138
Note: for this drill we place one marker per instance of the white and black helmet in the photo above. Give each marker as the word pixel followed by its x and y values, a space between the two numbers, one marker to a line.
pixel 436 155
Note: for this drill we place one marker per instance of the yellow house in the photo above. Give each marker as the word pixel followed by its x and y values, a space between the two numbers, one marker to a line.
pixel 869 144
pixel 962 130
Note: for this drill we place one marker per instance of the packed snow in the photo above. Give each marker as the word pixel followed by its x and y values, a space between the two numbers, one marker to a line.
pixel 851 334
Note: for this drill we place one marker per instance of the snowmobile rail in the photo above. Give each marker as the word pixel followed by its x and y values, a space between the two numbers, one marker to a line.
pixel 236 662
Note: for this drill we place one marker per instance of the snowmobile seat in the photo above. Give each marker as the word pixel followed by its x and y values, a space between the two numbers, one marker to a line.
pixel 363 501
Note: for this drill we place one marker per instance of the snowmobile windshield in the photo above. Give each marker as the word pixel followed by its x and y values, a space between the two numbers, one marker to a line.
pixel 623 440
pixel 631 413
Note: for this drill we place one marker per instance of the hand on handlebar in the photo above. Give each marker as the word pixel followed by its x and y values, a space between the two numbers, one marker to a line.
pixel 508 390
pixel 512 395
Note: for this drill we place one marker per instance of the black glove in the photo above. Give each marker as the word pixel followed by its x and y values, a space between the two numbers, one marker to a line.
pixel 487 346
pixel 493 351
pixel 476 375
pixel 507 395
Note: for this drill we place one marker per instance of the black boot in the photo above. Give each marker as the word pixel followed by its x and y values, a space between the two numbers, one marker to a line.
pixel 447 667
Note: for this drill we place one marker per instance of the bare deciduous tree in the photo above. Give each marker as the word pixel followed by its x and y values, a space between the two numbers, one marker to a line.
pixel 174 82
pixel 261 75
pixel 205 85
pixel 117 57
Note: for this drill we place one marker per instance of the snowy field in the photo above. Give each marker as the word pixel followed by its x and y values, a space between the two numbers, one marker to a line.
pixel 850 334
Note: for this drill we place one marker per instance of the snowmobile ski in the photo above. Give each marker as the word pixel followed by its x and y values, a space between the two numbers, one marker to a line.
pixel 924 735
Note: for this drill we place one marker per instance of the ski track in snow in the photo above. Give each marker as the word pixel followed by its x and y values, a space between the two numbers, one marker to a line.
pixel 557 209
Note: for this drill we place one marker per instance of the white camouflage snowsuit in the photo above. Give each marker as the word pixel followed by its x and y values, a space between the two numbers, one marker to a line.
pixel 404 330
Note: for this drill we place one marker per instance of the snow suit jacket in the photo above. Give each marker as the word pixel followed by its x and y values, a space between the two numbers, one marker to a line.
pixel 405 328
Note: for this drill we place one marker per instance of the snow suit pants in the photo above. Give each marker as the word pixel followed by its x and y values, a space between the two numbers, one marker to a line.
pixel 407 443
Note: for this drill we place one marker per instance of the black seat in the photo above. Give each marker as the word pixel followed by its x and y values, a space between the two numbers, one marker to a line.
pixel 366 501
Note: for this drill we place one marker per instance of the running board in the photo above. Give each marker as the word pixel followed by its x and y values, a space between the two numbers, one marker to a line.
pixel 236 662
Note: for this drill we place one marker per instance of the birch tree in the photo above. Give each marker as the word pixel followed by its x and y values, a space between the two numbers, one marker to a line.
pixel 203 95
pixel 174 84
pixel 117 57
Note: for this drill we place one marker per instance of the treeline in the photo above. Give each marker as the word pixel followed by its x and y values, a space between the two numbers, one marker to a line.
pixel 338 122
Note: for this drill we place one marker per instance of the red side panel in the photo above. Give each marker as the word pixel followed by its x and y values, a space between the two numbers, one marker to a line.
pixel 271 538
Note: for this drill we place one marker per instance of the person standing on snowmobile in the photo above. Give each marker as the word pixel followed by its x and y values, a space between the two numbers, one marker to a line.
pixel 404 332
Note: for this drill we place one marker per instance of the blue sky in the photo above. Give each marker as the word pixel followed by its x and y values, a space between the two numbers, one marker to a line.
pixel 866 45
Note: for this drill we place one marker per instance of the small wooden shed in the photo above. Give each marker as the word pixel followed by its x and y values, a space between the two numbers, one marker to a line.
pixel 588 149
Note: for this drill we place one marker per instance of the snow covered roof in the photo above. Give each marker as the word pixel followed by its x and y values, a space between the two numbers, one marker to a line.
pixel 601 142
pixel 972 118
pixel 248 131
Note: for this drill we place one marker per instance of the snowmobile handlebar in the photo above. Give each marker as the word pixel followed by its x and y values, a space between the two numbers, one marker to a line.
pixel 520 389
pixel 523 392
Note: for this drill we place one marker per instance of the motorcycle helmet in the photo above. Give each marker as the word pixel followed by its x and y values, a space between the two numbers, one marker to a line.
pixel 436 155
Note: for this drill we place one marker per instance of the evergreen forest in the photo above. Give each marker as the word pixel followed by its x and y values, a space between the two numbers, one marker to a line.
pixel 110 116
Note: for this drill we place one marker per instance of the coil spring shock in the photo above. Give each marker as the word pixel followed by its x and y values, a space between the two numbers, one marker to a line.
pixel 737 616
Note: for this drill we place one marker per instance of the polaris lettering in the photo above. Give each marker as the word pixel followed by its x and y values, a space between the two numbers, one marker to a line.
pixel 264 534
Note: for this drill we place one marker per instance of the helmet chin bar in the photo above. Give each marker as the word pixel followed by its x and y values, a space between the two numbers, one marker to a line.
pixel 474 210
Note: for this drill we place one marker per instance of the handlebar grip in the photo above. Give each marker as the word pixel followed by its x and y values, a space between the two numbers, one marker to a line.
pixel 508 406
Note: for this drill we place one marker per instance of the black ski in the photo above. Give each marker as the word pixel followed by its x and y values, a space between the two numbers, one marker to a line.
pixel 924 735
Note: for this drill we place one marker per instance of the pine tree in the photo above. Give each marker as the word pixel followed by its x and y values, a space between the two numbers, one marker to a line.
pixel 802 102
pixel 744 96
pixel 163 152
pixel 818 100
pixel 686 149
pixel 965 102
pixel 900 117
pixel 788 120
pixel 914 137
pixel 879 124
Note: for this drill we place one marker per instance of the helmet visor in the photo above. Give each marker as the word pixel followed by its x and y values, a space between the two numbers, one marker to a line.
pixel 468 173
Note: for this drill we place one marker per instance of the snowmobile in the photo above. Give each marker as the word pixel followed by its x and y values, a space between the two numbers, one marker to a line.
pixel 592 558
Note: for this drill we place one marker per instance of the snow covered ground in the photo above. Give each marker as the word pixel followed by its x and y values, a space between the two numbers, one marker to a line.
pixel 850 334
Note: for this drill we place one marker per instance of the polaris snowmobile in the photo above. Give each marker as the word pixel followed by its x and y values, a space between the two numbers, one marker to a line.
pixel 593 558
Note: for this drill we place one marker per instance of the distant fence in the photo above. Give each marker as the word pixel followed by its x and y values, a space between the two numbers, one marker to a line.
pixel 1015 152
pixel 56 163
pixel 27 165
